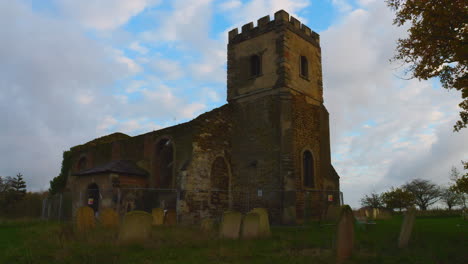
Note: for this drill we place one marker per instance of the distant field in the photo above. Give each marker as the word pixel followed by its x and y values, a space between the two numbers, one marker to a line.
pixel 434 240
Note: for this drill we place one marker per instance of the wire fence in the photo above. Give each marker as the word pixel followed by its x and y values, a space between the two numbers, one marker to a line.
pixel 193 205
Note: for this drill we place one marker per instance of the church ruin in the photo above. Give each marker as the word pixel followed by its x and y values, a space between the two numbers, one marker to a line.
pixel 269 146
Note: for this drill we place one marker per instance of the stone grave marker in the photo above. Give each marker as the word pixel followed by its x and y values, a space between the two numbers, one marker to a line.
pixel 158 216
pixel 251 225
pixel 109 218
pixel 345 234
pixel 84 219
pixel 407 227
pixel 207 224
pixel 230 225
pixel 264 221
pixel 136 227
pixel 171 217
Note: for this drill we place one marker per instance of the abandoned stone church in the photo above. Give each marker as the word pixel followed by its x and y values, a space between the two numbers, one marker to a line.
pixel 269 146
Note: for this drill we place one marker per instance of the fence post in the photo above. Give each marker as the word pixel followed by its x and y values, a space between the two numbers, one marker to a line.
pixel 44 205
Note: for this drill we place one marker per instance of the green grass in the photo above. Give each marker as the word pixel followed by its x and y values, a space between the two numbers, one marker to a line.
pixel 434 240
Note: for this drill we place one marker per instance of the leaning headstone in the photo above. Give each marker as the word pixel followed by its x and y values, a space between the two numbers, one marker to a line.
pixel 407 227
pixel 366 213
pixel 264 221
pixel 171 217
pixel 109 218
pixel 230 225
pixel 251 225
pixel 136 227
pixel 345 234
pixel 158 216
pixel 207 224
pixel 84 219
pixel 375 213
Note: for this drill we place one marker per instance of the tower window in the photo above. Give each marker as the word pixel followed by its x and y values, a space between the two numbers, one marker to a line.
pixel 304 67
pixel 255 66
pixel 308 169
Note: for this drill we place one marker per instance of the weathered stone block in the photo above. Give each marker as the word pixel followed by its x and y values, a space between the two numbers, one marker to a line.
pixel 230 225
pixel 345 234
pixel 136 227
pixel 158 216
pixel 84 219
pixel 207 224
pixel 251 225
pixel 264 221
pixel 171 217
pixel 407 227
pixel 109 218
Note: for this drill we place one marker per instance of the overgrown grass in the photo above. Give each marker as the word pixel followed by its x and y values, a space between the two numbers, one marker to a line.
pixel 435 240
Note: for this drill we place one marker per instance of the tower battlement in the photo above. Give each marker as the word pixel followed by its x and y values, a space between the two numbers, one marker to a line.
pixel 282 19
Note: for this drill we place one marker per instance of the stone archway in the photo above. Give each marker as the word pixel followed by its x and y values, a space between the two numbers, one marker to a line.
pixel 92 196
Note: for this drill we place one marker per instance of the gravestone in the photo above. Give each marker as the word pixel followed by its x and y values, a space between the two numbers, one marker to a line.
pixel 109 218
pixel 230 225
pixel 136 227
pixel 264 221
pixel 407 227
pixel 345 234
pixel 158 216
pixel 171 217
pixel 207 224
pixel 251 225
pixel 84 219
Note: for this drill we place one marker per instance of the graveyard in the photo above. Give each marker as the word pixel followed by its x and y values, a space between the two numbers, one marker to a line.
pixel 432 239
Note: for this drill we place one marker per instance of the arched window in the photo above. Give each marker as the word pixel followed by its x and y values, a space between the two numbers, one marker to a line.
pixel 308 169
pixel 82 163
pixel 92 197
pixel 255 65
pixel 304 67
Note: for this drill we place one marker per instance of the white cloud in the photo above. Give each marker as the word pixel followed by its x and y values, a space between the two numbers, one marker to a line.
pixel 136 46
pixel 229 5
pixel 255 9
pixel 130 64
pixel 167 69
pixel 104 14
pixel 411 131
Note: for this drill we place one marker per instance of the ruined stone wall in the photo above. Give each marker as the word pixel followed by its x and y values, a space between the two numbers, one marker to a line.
pixel 211 140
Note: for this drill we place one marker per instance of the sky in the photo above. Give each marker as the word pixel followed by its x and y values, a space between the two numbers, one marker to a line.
pixel 71 71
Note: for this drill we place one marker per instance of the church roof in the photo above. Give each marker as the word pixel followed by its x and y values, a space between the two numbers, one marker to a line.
pixel 117 166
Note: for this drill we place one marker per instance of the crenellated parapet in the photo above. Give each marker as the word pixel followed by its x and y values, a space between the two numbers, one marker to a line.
pixel 282 21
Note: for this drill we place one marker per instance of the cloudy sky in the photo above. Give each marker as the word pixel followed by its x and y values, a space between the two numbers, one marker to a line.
pixel 71 71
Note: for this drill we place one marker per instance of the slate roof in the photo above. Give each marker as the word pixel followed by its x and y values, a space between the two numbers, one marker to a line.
pixel 118 166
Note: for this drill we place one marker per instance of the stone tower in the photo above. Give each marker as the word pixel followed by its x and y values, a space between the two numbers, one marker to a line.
pixel 280 141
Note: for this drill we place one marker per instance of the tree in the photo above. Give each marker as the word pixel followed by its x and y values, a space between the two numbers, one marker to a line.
pixel 18 186
pixel 436 45
pixel 450 197
pixel 374 201
pixel 58 184
pixel 425 192
pixel 398 198
pixel 460 183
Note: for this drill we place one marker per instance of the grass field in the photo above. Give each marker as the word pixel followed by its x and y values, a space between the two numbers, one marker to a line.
pixel 434 240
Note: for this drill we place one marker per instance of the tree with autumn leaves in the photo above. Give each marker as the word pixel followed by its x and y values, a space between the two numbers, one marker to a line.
pixel 436 45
